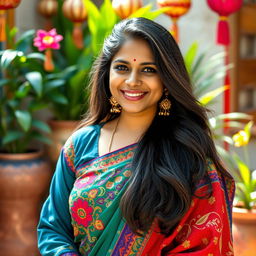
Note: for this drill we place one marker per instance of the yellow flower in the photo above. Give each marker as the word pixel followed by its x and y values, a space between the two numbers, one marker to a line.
pixel 110 185
pixel 241 138
pixel 205 241
pixel 186 244
pixel 99 225
pixel 211 200
pixel 215 240
pixel 93 193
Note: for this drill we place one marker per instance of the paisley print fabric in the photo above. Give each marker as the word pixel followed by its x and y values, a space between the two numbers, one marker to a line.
pixel 82 217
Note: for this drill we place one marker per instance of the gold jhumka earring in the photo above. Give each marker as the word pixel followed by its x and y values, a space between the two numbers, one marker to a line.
pixel 165 105
pixel 116 108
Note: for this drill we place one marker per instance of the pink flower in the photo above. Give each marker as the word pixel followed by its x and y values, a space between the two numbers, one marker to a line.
pixel 81 212
pixel 45 40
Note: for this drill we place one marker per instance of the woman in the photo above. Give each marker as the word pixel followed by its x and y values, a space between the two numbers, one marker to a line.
pixel 141 176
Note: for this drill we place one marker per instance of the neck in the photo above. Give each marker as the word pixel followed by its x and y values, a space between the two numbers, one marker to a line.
pixel 135 122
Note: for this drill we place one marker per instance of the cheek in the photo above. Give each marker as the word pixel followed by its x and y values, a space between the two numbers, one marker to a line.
pixel 158 89
pixel 112 82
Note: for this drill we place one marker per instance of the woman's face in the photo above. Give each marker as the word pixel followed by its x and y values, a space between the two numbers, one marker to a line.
pixel 134 79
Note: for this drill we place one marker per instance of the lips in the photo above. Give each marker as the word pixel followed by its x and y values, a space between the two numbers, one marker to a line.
pixel 133 95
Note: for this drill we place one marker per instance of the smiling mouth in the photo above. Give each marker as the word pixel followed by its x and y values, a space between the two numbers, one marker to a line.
pixel 133 95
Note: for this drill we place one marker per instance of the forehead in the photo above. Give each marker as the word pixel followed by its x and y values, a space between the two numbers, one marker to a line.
pixel 135 49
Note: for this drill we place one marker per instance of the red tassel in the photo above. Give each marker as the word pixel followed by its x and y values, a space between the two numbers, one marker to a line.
pixel 223 31
pixel 226 107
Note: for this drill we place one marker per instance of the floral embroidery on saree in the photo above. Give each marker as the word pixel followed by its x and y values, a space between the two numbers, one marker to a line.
pixel 94 205
pixel 69 154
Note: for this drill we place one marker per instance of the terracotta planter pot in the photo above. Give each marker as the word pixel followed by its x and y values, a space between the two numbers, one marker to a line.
pixel 244 232
pixel 24 182
pixel 61 130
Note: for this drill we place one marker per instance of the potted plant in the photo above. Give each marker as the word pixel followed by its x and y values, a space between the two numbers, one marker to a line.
pixel 244 210
pixel 25 173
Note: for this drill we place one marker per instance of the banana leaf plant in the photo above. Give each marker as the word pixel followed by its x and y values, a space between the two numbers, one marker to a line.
pixel 99 24
pixel 25 89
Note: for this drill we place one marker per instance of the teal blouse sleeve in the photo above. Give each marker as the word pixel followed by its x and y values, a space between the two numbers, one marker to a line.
pixel 55 233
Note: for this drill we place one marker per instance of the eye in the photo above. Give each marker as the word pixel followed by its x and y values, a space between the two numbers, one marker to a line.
pixel 121 68
pixel 149 70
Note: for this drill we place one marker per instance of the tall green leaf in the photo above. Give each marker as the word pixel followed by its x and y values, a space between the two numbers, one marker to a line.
pixel 36 80
pixel 24 119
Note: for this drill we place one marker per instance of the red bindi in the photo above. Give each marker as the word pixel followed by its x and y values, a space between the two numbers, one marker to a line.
pixel 134 59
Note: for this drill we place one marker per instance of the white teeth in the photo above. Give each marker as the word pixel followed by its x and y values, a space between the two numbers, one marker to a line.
pixel 133 94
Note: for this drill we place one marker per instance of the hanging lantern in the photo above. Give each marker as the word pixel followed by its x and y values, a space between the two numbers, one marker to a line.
pixel 76 12
pixel 224 8
pixel 177 8
pixel 4 6
pixel 48 8
pixel 124 8
pixel 9 4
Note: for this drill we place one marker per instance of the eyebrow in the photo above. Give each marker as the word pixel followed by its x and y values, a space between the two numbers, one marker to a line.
pixel 127 62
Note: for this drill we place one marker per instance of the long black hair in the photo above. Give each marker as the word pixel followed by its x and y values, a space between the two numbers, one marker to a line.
pixel 171 157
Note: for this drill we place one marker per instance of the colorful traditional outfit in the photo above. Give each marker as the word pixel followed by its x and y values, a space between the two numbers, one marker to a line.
pixel 82 215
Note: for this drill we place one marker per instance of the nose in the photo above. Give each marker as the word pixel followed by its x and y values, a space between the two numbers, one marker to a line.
pixel 133 79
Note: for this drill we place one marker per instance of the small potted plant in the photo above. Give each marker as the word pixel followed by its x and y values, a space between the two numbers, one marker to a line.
pixel 244 211
pixel 25 89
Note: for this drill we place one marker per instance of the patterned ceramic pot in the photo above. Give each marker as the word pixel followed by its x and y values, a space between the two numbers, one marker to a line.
pixel 244 232
pixel 24 182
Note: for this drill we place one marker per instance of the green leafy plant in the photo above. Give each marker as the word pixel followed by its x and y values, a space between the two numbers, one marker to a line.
pixel 25 89
pixel 205 71
pixel 245 178
pixel 100 23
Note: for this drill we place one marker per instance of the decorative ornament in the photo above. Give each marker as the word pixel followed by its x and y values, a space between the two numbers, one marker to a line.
pixel 77 13
pixel 116 108
pixel 4 6
pixel 165 105
pixel 124 8
pixel 48 8
pixel 47 41
pixel 177 8
pixel 224 8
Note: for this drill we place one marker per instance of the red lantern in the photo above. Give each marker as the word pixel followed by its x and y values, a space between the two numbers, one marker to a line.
pixel 9 4
pixel 224 8
pixel 177 8
pixel 124 8
pixel 5 5
pixel 48 8
pixel 76 12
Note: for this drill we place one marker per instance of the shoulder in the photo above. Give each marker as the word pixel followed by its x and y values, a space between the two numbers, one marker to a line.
pixel 82 145
pixel 83 135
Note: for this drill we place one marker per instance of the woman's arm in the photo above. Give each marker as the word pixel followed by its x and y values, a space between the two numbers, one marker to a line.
pixel 55 232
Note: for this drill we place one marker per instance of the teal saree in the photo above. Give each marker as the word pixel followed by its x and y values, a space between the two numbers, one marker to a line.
pixel 82 217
